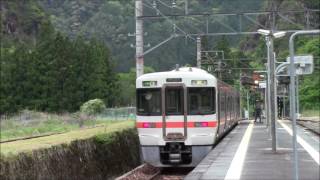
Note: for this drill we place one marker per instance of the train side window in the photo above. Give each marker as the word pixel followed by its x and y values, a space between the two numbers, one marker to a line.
pixel 174 101
pixel 201 101
pixel 149 102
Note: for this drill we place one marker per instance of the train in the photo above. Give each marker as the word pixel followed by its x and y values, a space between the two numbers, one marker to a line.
pixel 181 114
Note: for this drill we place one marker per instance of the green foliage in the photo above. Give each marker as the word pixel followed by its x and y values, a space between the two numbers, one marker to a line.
pixel 14 129
pixel 111 21
pixel 85 158
pixel 310 84
pixel 127 84
pixel 31 123
pixel 20 22
pixel 58 74
pixel 64 70
pixel 93 107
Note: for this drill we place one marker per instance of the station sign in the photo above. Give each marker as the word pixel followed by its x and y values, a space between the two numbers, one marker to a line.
pixel 303 64
pixel 262 84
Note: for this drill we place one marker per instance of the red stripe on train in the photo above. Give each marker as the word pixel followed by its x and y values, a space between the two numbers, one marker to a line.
pixel 176 124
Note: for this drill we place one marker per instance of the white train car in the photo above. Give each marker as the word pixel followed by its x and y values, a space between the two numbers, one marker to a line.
pixel 181 114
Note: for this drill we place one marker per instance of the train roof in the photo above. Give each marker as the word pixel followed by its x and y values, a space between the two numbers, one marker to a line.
pixel 184 72
pixel 187 74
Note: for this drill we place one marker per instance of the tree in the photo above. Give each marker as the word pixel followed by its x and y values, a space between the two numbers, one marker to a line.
pixel 127 86
pixel 309 87
pixel 56 75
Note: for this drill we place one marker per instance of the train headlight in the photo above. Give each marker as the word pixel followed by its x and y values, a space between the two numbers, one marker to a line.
pixel 148 125
pixel 199 82
pixel 149 83
pixel 201 124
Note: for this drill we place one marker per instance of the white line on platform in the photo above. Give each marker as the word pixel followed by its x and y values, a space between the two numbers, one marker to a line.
pixel 235 169
pixel 313 153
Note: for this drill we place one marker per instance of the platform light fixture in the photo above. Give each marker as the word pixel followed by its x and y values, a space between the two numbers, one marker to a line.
pixel 154 4
pixel 279 34
pixel 271 115
pixel 264 32
pixel 276 35
pixel 174 4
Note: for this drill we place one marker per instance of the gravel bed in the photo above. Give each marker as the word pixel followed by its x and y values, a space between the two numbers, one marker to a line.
pixel 143 172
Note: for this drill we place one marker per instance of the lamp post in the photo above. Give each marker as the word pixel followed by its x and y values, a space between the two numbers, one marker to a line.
pixel 270 35
pixel 293 115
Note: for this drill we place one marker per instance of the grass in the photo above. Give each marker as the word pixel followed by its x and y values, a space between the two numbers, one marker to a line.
pixel 38 123
pixel 16 130
pixel 310 113
pixel 12 148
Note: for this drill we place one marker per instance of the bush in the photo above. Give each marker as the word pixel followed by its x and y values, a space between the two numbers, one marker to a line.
pixel 93 107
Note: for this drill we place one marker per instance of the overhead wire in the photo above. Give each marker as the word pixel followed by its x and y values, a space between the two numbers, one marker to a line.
pixel 168 19
pixel 177 7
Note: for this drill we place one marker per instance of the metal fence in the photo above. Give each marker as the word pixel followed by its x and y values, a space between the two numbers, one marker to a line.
pixel 28 123
pixel 27 116
pixel 123 113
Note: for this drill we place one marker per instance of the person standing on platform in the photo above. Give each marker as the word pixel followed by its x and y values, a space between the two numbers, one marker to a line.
pixel 280 107
pixel 257 113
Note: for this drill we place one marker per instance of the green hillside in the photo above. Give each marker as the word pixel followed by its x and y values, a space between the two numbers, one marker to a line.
pixel 57 54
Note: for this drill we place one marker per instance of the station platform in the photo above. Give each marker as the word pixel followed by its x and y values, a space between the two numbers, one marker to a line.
pixel 245 153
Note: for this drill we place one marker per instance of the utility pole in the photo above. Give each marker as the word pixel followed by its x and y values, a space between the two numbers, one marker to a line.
pixel 220 66
pixel 186 8
pixel 272 95
pixel 265 105
pixel 199 52
pixel 297 95
pixel 139 37
pixel 248 106
pixel 284 108
pixel 293 115
pixel 240 95
pixel 269 35
pixel 267 92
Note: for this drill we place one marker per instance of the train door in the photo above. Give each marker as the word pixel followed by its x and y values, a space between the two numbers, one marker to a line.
pixel 222 108
pixel 174 116
pixel 218 109
pixel 231 110
pixel 228 111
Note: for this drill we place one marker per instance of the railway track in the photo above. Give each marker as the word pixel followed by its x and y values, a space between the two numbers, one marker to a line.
pixel 311 125
pixel 148 172
pixel 144 171
pixel 172 173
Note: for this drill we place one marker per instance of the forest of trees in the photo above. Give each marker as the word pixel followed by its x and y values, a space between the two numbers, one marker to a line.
pixel 57 74
pixel 57 54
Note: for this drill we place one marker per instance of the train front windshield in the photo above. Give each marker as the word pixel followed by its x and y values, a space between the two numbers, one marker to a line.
pixel 149 102
pixel 201 101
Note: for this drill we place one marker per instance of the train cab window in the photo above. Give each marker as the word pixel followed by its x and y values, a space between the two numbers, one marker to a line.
pixel 201 101
pixel 149 102
pixel 174 101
